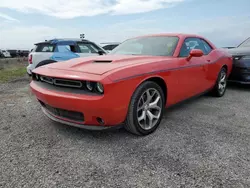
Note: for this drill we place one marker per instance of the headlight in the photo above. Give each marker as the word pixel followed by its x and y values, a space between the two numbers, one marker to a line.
pixel 37 77
pixel 94 87
pixel 246 57
pixel 99 87
pixel 89 85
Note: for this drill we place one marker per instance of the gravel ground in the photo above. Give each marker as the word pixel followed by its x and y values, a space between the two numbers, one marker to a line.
pixel 202 143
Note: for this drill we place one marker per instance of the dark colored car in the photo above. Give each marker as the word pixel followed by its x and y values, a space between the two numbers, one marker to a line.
pixel 241 63
pixel 26 53
pixel 110 47
pixel 13 53
pixel 1 55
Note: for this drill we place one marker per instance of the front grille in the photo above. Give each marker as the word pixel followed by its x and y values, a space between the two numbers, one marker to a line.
pixel 62 82
pixel 46 79
pixel 66 85
pixel 71 115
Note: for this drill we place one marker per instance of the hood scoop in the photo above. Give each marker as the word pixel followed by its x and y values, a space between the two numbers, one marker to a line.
pixel 102 61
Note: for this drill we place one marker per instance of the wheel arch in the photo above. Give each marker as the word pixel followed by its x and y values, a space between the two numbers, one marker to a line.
pixel 160 81
pixel 45 62
pixel 225 66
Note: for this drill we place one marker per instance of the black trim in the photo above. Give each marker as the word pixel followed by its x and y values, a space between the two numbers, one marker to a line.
pixel 66 89
pixel 67 114
pixel 169 69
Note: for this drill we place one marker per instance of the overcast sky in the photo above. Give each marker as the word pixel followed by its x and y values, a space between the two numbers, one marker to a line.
pixel 25 22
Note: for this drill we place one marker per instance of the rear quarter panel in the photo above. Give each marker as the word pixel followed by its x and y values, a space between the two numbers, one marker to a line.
pixel 37 57
pixel 218 59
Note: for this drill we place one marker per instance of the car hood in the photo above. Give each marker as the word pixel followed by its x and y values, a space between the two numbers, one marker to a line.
pixel 102 64
pixel 239 51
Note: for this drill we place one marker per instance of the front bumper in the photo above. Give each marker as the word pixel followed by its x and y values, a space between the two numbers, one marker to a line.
pixel 60 120
pixel 240 75
pixel 92 107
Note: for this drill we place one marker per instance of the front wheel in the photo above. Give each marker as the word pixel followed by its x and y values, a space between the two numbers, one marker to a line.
pixel 221 83
pixel 145 109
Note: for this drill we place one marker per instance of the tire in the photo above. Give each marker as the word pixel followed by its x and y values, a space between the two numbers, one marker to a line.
pixel 218 91
pixel 45 62
pixel 132 123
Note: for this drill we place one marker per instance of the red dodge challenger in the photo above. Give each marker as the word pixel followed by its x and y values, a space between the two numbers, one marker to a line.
pixel 133 84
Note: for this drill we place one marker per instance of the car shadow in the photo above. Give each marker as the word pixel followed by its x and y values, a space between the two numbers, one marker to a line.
pixel 186 103
pixel 116 132
pixel 119 131
pixel 237 86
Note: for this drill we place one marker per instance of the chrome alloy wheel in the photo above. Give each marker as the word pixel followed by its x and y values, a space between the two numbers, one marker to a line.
pixel 222 82
pixel 149 109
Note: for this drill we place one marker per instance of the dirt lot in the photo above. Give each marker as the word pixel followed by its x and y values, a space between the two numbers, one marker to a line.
pixel 203 143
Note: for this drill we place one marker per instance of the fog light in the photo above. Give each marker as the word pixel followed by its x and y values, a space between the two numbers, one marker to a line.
pixel 100 121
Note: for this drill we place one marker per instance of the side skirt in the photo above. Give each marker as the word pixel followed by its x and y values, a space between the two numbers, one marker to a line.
pixel 189 99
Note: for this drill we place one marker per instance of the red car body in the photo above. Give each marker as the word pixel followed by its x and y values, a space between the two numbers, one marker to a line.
pixel 180 78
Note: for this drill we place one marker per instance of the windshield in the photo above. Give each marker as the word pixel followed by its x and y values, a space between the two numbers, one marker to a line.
pixel 246 43
pixel 155 46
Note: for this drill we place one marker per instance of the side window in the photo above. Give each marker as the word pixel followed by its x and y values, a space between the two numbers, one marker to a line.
pixel 65 48
pixel 114 46
pixel 206 46
pixel 194 43
pixel 87 48
pixel 84 48
pixel 45 48
pixel 107 47
pixel 62 48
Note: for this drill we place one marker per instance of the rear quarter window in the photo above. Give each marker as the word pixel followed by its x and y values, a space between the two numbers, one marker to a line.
pixel 45 47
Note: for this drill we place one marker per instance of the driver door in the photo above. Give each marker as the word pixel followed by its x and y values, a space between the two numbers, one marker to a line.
pixel 193 71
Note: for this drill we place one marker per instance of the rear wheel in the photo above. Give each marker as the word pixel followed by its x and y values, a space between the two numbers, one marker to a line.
pixel 221 83
pixel 145 109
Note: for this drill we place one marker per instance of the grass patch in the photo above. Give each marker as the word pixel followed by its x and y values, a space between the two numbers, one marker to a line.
pixel 11 73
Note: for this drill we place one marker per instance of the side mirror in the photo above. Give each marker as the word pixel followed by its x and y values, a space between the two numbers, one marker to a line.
pixel 101 52
pixel 195 53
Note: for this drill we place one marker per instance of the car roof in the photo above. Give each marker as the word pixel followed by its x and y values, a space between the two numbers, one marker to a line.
pixel 180 35
pixel 62 41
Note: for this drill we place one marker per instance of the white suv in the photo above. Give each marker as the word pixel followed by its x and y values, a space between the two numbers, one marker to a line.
pixel 5 53
pixel 57 50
